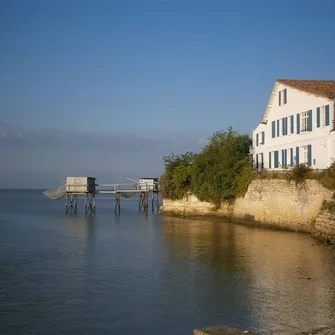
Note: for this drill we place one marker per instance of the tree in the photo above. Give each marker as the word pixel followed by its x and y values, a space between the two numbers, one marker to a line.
pixel 221 171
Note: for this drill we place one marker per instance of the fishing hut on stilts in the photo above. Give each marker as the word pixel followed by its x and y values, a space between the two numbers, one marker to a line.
pixel 75 187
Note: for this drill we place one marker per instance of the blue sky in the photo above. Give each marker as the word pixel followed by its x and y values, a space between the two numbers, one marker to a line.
pixel 162 75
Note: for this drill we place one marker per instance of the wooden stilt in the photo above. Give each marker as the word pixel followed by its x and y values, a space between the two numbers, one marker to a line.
pixel 89 203
pixel 71 204
pixel 117 207
pixel 155 203
pixel 143 201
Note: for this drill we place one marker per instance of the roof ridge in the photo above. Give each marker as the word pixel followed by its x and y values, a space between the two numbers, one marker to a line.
pixel 322 88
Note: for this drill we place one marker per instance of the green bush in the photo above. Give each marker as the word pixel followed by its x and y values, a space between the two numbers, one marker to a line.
pixel 176 180
pixel 221 171
pixel 299 173
pixel 327 177
pixel 329 206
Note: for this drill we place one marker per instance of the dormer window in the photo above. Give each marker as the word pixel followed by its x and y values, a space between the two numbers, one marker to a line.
pixel 282 97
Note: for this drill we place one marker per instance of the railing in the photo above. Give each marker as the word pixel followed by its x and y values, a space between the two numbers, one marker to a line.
pixel 109 188
pixel 284 170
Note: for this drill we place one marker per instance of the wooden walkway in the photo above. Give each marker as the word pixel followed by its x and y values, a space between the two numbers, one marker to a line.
pixel 121 190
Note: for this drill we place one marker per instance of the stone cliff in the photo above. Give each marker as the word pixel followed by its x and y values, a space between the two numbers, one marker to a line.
pixel 272 202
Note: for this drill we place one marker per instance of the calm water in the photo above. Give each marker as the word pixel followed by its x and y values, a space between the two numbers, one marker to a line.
pixel 137 274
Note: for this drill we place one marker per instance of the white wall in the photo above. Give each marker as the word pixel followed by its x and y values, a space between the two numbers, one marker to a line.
pixel 321 139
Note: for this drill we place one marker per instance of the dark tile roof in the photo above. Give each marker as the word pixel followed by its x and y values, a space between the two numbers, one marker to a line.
pixel 322 88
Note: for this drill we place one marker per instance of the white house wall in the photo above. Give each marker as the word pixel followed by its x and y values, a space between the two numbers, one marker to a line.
pixel 321 139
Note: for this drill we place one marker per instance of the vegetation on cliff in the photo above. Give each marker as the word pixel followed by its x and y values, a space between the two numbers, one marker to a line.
pixel 221 171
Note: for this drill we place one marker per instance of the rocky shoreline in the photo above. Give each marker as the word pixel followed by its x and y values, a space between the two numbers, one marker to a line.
pixel 226 330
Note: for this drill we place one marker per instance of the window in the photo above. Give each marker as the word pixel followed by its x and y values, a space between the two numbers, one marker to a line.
pixel 291 157
pixel 305 151
pixel 292 124
pixel 262 137
pixel 322 116
pixel 306 121
pixel 284 126
pixel 282 96
pixel 276 161
pixel 284 158
pixel 259 161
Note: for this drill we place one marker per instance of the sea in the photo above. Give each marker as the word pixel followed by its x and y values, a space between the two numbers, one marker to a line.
pixel 144 273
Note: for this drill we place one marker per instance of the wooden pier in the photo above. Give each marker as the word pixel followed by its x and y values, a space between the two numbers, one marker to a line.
pixel 85 186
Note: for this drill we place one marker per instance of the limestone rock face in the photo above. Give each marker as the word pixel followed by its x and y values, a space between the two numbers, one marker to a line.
pixel 273 202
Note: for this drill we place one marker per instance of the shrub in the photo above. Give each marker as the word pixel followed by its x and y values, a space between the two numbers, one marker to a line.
pixel 176 180
pixel 329 206
pixel 299 173
pixel 221 171
pixel 327 177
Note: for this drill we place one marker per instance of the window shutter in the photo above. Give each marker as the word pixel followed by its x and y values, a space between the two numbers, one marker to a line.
pixel 286 123
pixel 309 120
pixel 309 154
pixel 318 117
pixel 291 158
pixel 276 159
pixel 263 137
pixel 256 161
pixel 292 124
pixel 257 140
pixel 298 123
pixel 283 158
pixel 285 164
pixel 279 95
pixel 273 129
pixel 283 126
pixel 285 96
pixel 270 160
pixel 278 128
pixel 327 115
pixel 297 155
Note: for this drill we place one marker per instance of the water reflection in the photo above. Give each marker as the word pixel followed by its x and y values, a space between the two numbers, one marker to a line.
pixel 284 282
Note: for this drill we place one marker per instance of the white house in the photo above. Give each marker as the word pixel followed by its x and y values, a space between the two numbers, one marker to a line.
pixel 297 125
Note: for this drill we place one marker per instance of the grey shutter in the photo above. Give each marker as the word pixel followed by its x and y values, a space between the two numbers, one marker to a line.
pixel 327 115
pixel 309 154
pixel 285 96
pixel 318 117
pixel 298 123
pixel 273 129
pixel 309 120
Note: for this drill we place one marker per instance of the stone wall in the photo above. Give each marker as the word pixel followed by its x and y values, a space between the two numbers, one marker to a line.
pixel 325 227
pixel 283 203
pixel 267 201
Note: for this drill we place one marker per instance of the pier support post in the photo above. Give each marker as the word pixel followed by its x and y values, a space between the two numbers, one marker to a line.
pixel 155 204
pixel 89 203
pixel 117 207
pixel 71 203
pixel 143 201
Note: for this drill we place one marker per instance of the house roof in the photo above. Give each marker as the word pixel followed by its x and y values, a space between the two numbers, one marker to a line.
pixel 322 88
